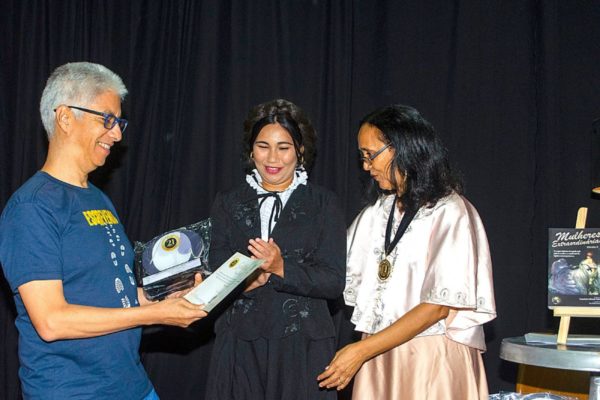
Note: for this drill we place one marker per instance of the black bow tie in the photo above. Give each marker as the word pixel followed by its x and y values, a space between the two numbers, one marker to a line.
pixel 277 206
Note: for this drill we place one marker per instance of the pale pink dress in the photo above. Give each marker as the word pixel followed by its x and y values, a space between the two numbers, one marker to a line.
pixel 443 258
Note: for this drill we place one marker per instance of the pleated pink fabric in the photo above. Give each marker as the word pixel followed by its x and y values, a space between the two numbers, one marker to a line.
pixel 425 368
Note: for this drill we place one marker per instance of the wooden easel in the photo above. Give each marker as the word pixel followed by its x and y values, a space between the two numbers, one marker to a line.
pixel 532 379
pixel 565 313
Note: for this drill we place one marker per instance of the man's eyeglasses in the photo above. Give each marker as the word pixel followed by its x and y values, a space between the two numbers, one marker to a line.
pixel 110 120
pixel 369 159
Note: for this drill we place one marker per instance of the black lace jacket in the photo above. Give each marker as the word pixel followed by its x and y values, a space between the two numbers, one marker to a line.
pixel 312 237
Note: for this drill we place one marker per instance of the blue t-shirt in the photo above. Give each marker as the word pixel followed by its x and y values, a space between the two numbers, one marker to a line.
pixel 52 230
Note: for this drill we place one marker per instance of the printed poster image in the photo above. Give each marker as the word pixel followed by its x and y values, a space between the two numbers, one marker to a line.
pixel 573 258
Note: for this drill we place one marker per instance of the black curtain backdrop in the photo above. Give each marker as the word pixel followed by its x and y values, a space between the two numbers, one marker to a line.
pixel 512 87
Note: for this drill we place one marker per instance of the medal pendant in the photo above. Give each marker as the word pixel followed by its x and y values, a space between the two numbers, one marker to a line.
pixel 385 269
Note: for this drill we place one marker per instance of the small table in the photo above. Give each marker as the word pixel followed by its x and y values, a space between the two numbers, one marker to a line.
pixel 575 358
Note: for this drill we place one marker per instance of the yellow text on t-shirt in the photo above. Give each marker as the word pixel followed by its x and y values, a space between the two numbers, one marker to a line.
pixel 100 217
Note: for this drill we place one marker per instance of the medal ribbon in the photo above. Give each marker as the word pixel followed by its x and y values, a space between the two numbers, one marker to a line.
pixel 406 220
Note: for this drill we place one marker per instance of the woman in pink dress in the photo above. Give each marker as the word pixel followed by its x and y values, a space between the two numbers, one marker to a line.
pixel 419 273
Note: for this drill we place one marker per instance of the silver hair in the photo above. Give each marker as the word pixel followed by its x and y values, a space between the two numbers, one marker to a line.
pixel 79 84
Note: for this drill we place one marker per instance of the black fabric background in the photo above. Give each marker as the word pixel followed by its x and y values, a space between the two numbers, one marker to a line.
pixel 512 87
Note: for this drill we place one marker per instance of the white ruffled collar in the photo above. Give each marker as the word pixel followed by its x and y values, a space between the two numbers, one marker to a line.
pixel 255 180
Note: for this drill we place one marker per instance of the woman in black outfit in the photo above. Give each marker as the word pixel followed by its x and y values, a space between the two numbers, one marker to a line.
pixel 278 334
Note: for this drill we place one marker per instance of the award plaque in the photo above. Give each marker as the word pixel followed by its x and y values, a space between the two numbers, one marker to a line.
pixel 168 263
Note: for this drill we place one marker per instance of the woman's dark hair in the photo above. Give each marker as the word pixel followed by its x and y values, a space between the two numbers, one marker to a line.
pixel 419 155
pixel 289 116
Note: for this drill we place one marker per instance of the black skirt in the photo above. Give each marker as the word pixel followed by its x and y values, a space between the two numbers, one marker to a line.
pixel 269 369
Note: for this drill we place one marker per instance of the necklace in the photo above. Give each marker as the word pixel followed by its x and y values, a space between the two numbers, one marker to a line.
pixel 385 267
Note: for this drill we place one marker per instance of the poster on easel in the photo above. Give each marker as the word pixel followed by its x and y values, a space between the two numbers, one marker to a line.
pixel 573 261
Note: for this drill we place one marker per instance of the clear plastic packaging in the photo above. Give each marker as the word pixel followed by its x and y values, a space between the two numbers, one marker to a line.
pixel 168 262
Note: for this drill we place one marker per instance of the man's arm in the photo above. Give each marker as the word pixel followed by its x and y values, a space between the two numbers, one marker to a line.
pixel 55 319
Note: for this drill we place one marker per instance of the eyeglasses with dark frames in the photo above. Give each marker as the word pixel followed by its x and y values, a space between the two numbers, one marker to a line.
pixel 110 120
pixel 369 159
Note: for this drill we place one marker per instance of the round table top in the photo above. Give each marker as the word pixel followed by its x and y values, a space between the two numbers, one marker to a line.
pixel 576 358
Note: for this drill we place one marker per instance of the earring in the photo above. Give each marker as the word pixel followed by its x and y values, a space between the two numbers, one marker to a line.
pixel 300 165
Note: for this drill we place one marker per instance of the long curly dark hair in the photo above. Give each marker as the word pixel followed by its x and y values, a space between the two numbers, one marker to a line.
pixel 289 116
pixel 419 156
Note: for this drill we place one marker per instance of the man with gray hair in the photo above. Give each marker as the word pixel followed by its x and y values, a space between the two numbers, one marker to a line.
pixel 67 259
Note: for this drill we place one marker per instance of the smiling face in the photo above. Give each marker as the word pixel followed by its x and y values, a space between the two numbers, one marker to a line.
pixel 380 168
pixel 275 157
pixel 93 140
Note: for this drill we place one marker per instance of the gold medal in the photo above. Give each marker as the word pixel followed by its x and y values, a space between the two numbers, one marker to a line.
pixel 385 269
